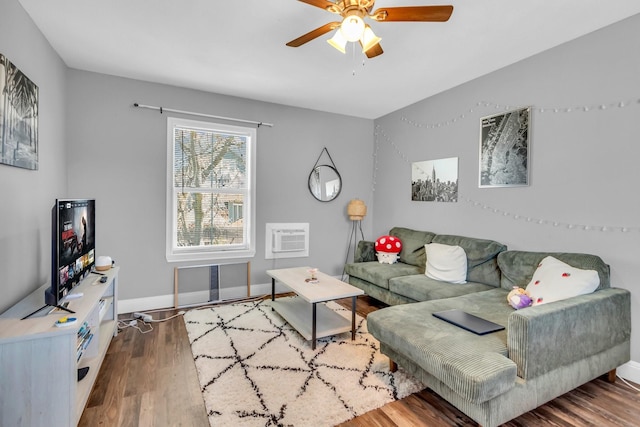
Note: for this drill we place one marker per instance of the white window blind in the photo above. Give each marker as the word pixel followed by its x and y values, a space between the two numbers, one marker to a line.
pixel 210 211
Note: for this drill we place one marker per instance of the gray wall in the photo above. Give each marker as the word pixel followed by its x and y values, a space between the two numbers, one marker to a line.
pixel 584 165
pixel 118 154
pixel 26 196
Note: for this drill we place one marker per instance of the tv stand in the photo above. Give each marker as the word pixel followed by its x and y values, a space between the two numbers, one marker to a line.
pixel 59 307
pixel 40 364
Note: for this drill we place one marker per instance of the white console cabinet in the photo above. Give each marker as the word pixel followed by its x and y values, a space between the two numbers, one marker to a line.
pixel 39 362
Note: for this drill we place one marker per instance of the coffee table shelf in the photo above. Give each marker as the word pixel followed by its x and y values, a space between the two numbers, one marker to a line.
pixel 306 311
pixel 298 312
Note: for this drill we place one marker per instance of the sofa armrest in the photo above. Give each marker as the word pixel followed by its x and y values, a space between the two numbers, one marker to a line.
pixel 478 377
pixel 546 337
pixel 365 251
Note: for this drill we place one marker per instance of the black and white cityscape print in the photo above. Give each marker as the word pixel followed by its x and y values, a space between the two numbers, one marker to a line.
pixel 504 149
pixel 435 180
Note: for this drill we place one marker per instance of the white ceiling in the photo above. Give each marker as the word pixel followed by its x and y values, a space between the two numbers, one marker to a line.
pixel 237 47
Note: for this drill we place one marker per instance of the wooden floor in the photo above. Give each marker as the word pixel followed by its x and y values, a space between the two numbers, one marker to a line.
pixel 147 380
pixel 150 380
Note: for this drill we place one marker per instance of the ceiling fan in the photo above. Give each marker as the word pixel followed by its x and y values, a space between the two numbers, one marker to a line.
pixel 352 28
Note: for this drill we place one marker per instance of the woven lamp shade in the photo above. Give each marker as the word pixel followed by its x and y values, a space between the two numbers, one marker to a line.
pixel 356 209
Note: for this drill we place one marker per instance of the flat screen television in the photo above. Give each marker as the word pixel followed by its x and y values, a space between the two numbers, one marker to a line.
pixel 73 246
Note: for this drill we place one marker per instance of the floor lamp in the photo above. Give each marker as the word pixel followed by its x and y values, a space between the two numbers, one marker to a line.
pixel 356 209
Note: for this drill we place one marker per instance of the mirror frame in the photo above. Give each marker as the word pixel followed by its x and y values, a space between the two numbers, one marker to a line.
pixel 339 179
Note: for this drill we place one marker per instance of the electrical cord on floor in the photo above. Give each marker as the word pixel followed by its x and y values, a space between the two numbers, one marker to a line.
pixel 231 301
pixel 180 313
pixel 629 384
pixel 197 307
pixel 133 323
pixel 143 319
pixel 146 318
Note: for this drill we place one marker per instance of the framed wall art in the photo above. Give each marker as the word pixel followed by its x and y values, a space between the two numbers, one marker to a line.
pixel 504 149
pixel 18 117
pixel 435 180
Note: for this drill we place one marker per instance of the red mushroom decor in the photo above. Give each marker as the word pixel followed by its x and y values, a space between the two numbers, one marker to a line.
pixel 388 248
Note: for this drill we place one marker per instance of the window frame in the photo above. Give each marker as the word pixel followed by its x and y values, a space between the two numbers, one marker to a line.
pixel 213 252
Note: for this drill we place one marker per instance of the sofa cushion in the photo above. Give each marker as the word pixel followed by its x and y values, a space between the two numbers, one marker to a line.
pixel 555 280
pixel 379 274
pixel 518 266
pixel 413 242
pixel 482 266
pixel 475 366
pixel 446 262
pixel 423 288
pixel 365 251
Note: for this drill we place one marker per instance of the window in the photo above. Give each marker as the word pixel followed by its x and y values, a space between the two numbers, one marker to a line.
pixel 210 190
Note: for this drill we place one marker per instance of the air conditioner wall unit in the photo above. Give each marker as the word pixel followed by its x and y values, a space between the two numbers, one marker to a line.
pixel 289 240
pixel 286 240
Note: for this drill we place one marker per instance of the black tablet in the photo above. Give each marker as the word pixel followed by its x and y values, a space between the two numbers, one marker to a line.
pixel 468 321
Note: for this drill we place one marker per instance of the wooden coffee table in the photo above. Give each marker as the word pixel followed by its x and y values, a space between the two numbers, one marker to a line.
pixel 310 319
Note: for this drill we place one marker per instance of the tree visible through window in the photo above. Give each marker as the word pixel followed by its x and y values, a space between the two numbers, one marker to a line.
pixel 211 190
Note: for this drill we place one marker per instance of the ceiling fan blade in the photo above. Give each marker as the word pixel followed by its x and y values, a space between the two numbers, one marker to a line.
pixel 322 4
pixel 374 51
pixel 313 34
pixel 413 13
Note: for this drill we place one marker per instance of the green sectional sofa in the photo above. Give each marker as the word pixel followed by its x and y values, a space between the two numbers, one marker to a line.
pixel 544 351
pixel 405 281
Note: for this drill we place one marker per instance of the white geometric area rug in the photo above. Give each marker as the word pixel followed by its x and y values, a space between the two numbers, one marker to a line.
pixel 255 370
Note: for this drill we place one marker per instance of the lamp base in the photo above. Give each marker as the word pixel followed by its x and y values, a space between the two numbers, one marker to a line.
pixel 353 240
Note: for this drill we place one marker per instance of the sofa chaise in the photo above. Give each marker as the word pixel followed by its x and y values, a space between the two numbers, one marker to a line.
pixel 544 351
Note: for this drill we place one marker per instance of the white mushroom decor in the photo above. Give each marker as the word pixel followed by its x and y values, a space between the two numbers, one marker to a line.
pixel 387 249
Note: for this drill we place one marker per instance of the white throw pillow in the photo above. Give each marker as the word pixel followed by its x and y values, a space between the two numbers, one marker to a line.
pixel 446 262
pixel 555 280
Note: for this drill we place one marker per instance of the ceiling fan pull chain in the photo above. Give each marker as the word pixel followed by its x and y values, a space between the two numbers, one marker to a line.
pixel 354 60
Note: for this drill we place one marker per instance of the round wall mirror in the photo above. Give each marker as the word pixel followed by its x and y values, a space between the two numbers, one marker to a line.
pixel 325 183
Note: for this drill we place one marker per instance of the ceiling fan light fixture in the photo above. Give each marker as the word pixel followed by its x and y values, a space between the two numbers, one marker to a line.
pixel 352 28
pixel 369 39
pixel 338 41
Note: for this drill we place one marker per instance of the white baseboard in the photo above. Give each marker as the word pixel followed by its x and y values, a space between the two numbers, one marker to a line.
pixel 167 301
pixel 144 304
pixel 630 371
